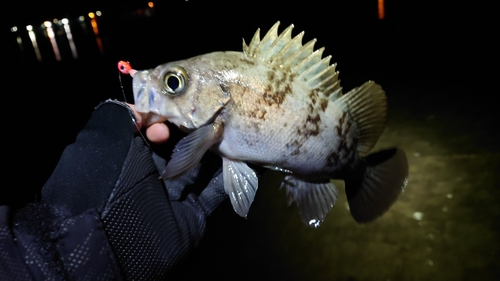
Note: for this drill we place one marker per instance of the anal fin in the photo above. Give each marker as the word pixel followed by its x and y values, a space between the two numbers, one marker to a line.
pixel 314 199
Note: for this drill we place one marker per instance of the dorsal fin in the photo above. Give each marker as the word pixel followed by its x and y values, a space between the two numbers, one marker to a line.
pixel 367 106
pixel 302 60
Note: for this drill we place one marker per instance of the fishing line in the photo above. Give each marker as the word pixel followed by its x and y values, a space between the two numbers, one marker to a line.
pixel 124 68
pixel 121 86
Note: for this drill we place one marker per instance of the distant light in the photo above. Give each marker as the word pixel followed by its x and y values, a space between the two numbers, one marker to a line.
pixel 13 29
pixel 81 18
pixel 65 21
pixel 98 13
pixel 91 15
pixel 381 10
pixel 29 27
pixel 47 24
pixel 151 4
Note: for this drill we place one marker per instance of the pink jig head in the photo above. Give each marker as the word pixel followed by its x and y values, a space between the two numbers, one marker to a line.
pixel 125 68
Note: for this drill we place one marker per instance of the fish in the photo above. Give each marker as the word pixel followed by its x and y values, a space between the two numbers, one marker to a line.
pixel 277 104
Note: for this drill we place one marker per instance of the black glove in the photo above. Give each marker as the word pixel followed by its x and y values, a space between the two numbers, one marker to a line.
pixel 105 213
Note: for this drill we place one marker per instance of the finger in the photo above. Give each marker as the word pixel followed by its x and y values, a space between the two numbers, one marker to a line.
pixel 158 133
pixel 138 116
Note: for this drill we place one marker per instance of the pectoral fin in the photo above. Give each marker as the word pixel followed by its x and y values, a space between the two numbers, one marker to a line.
pixel 240 183
pixel 189 151
pixel 314 199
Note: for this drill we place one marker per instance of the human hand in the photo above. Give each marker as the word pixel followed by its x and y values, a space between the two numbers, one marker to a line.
pixel 110 177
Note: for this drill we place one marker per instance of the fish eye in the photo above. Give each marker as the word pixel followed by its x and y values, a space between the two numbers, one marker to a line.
pixel 174 81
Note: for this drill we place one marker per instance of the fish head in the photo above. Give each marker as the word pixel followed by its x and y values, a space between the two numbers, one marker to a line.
pixel 187 93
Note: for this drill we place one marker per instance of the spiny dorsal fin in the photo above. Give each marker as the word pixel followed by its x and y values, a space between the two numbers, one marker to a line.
pixel 367 105
pixel 302 60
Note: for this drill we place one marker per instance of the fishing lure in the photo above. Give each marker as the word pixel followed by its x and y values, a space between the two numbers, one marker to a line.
pixel 126 68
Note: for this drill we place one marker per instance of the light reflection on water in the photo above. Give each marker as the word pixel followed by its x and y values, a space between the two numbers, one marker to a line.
pixel 58 35
pixel 53 43
pixel 69 36
pixel 381 9
pixel 95 29
pixel 32 36
pixel 66 39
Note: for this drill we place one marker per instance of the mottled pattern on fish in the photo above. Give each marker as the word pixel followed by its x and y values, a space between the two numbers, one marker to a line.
pixel 277 104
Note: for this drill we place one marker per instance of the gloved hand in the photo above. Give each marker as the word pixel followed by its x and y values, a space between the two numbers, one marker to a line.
pixel 104 211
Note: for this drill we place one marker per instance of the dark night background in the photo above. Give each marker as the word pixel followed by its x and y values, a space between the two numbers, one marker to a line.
pixel 436 58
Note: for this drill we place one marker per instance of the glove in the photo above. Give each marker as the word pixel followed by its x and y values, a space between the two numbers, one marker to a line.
pixel 105 214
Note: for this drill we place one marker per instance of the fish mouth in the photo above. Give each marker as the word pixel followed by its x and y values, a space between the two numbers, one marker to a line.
pixel 147 99
pixel 149 118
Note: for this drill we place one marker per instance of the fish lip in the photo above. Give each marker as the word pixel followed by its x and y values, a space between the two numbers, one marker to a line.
pixel 149 118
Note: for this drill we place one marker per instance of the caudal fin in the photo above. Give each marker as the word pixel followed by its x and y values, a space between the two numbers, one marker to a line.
pixel 376 184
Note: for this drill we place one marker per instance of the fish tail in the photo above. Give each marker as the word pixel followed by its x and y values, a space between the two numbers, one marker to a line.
pixel 376 183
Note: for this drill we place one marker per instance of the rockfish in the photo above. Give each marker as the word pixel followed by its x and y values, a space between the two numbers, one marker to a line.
pixel 279 105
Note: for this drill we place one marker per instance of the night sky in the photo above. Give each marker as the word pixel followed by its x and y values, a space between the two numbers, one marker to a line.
pixel 18 13
pixel 427 11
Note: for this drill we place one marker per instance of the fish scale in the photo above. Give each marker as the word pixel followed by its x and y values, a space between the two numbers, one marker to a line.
pixel 278 104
